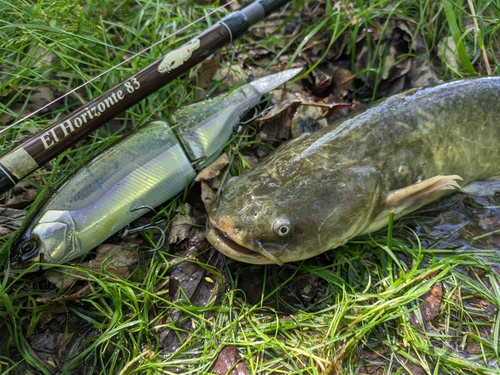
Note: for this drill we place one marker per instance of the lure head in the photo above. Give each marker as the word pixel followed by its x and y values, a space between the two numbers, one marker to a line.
pixel 51 239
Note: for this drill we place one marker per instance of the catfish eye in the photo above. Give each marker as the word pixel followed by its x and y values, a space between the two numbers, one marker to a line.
pixel 28 248
pixel 282 227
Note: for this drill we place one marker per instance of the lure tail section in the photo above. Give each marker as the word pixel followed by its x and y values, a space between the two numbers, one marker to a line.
pixel 206 126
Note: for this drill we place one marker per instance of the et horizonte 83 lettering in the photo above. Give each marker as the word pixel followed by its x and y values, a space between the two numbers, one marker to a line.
pixel 50 138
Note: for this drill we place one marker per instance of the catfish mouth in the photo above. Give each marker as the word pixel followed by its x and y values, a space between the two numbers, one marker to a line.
pixel 224 244
pixel 228 241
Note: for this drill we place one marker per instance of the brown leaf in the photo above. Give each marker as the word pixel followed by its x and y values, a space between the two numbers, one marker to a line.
pixel 189 282
pixel 275 124
pixel 57 303
pixel 206 73
pixel 18 108
pixel 229 362
pixel 207 195
pixel 448 50
pixel 24 194
pixel 59 279
pixel 44 319
pixel 323 78
pixel 432 300
pixel 40 97
pixel 10 220
pixel 113 258
pixel 342 82
pixel 179 229
pixel 389 61
pixel 231 76
pixel 213 169
pixel 308 119
pixel 401 69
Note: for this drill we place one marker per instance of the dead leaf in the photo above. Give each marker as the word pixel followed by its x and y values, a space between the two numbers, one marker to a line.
pixel 57 303
pixel 432 301
pixel 113 258
pixel 401 69
pixel 51 345
pixel 59 279
pixel 11 219
pixel 308 119
pixel 19 109
pixel 229 362
pixel 231 77
pixel 323 78
pixel 207 195
pixel 206 73
pixel 37 98
pixel 38 56
pixel 44 319
pixel 40 97
pixel 296 292
pixel 179 229
pixel 390 59
pixel 188 283
pixel 299 112
pixel 291 101
pixel 342 82
pixel 213 169
pixel 448 50
pixel 23 195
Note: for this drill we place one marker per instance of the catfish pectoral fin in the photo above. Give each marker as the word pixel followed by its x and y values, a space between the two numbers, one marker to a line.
pixel 410 198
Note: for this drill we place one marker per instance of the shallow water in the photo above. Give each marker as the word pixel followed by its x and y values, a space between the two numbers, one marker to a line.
pixel 458 221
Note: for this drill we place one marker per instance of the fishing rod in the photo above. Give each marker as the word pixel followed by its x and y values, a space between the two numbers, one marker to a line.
pixel 30 155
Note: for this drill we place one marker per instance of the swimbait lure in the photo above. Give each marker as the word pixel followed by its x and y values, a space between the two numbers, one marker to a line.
pixel 317 192
pixel 144 170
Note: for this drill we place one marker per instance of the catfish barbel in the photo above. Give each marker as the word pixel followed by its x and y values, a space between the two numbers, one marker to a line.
pixel 144 170
pixel 319 191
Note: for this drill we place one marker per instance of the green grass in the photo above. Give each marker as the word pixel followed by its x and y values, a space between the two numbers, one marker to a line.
pixel 366 313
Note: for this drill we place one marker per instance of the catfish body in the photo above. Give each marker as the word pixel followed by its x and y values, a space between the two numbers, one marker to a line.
pixel 317 192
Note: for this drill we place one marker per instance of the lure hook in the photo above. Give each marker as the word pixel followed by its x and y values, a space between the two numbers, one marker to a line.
pixel 126 231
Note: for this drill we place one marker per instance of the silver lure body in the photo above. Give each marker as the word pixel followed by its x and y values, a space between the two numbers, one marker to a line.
pixel 145 169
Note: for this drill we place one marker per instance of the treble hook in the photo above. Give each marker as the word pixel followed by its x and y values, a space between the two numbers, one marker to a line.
pixel 126 231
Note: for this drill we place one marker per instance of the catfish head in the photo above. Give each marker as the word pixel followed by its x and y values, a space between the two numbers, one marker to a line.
pixel 284 212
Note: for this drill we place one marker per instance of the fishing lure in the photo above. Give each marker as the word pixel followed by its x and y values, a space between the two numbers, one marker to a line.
pixel 144 170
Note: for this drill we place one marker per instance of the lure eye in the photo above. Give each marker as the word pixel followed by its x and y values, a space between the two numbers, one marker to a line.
pixel 282 227
pixel 28 249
